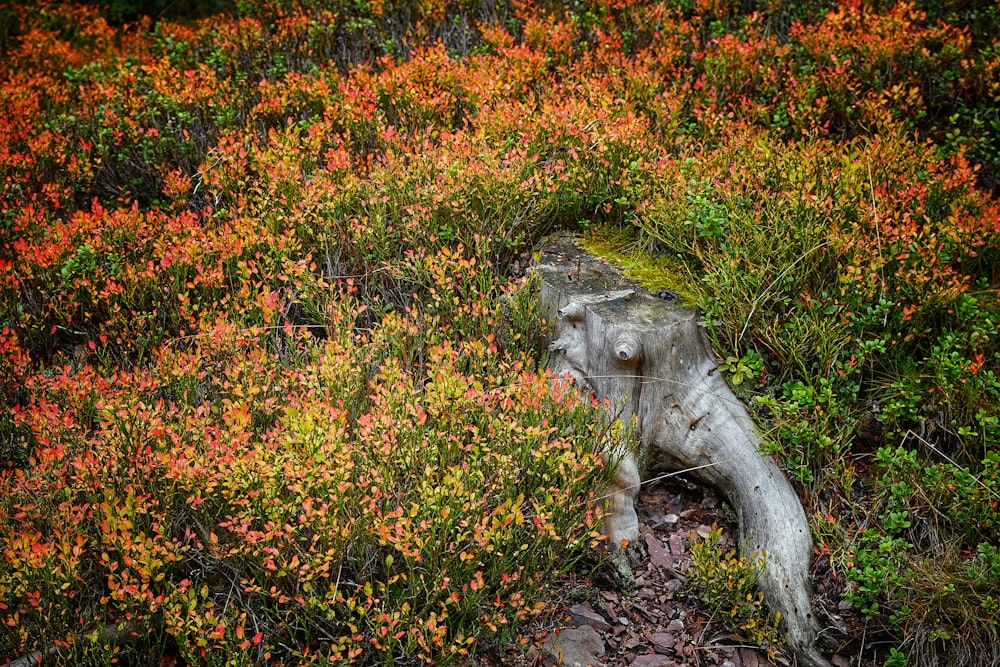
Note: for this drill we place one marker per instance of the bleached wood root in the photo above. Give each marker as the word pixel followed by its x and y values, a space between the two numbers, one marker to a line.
pixel 649 358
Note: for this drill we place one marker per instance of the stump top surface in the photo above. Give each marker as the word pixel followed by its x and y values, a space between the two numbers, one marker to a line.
pixel 571 272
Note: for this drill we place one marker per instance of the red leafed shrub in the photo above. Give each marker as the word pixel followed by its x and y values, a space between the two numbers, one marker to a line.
pixel 385 492
pixel 269 393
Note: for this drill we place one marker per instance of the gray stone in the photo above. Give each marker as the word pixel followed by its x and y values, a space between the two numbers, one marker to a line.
pixel 676 544
pixel 583 615
pixel 662 641
pixel 574 647
pixel 658 556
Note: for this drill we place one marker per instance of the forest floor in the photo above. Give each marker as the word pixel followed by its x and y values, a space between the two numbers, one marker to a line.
pixel 661 620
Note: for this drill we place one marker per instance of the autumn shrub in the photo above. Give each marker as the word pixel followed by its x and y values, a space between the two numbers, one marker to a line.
pixel 390 492
pixel 237 248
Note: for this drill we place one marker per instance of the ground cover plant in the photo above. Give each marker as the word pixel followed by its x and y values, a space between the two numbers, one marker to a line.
pixel 271 372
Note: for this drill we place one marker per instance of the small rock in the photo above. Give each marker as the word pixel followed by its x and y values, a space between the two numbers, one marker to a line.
pixel 844 605
pixel 583 615
pixel 662 640
pixel 673 585
pixel 658 556
pixel 653 614
pixel 676 544
pixel 630 643
pixel 728 663
pixel 666 295
pixel 704 531
pixel 574 647
pixel 666 521
pixel 749 657
pixel 617 570
pixel 840 661
pixel 710 502
pixel 646 594
pixel 652 660
pixel 676 625
pixel 688 513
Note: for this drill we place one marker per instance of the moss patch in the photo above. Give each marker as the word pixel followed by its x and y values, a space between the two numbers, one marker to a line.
pixel 654 271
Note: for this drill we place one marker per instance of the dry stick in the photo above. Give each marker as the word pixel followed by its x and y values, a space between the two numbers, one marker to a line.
pixel 767 289
pixel 864 635
pixel 878 232
pixel 950 460
pixel 668 475
pixel 708 623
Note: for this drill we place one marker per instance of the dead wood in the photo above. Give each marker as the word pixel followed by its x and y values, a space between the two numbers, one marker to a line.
pixel 650 359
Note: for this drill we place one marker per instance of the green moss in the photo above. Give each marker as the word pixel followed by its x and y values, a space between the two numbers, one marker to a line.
pixel 654 271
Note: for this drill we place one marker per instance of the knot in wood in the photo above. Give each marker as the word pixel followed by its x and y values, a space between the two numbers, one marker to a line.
pixel 627 346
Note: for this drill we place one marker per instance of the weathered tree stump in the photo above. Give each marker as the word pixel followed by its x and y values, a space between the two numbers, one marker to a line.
pixel 651 360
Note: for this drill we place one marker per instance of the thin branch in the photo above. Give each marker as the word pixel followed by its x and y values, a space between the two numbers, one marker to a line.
pixel 665 476
pixel 949 460
pixel 756 302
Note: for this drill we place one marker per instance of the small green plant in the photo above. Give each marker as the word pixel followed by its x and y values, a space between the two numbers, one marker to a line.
pixel 738 370
pixel 727 582
pixel 896 658
pixel 879 564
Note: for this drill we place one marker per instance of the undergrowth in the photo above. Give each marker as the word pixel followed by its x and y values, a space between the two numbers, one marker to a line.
pixel 727 582
pixel 269 386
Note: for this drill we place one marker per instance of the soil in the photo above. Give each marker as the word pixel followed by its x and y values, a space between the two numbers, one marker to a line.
pixel 660 620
